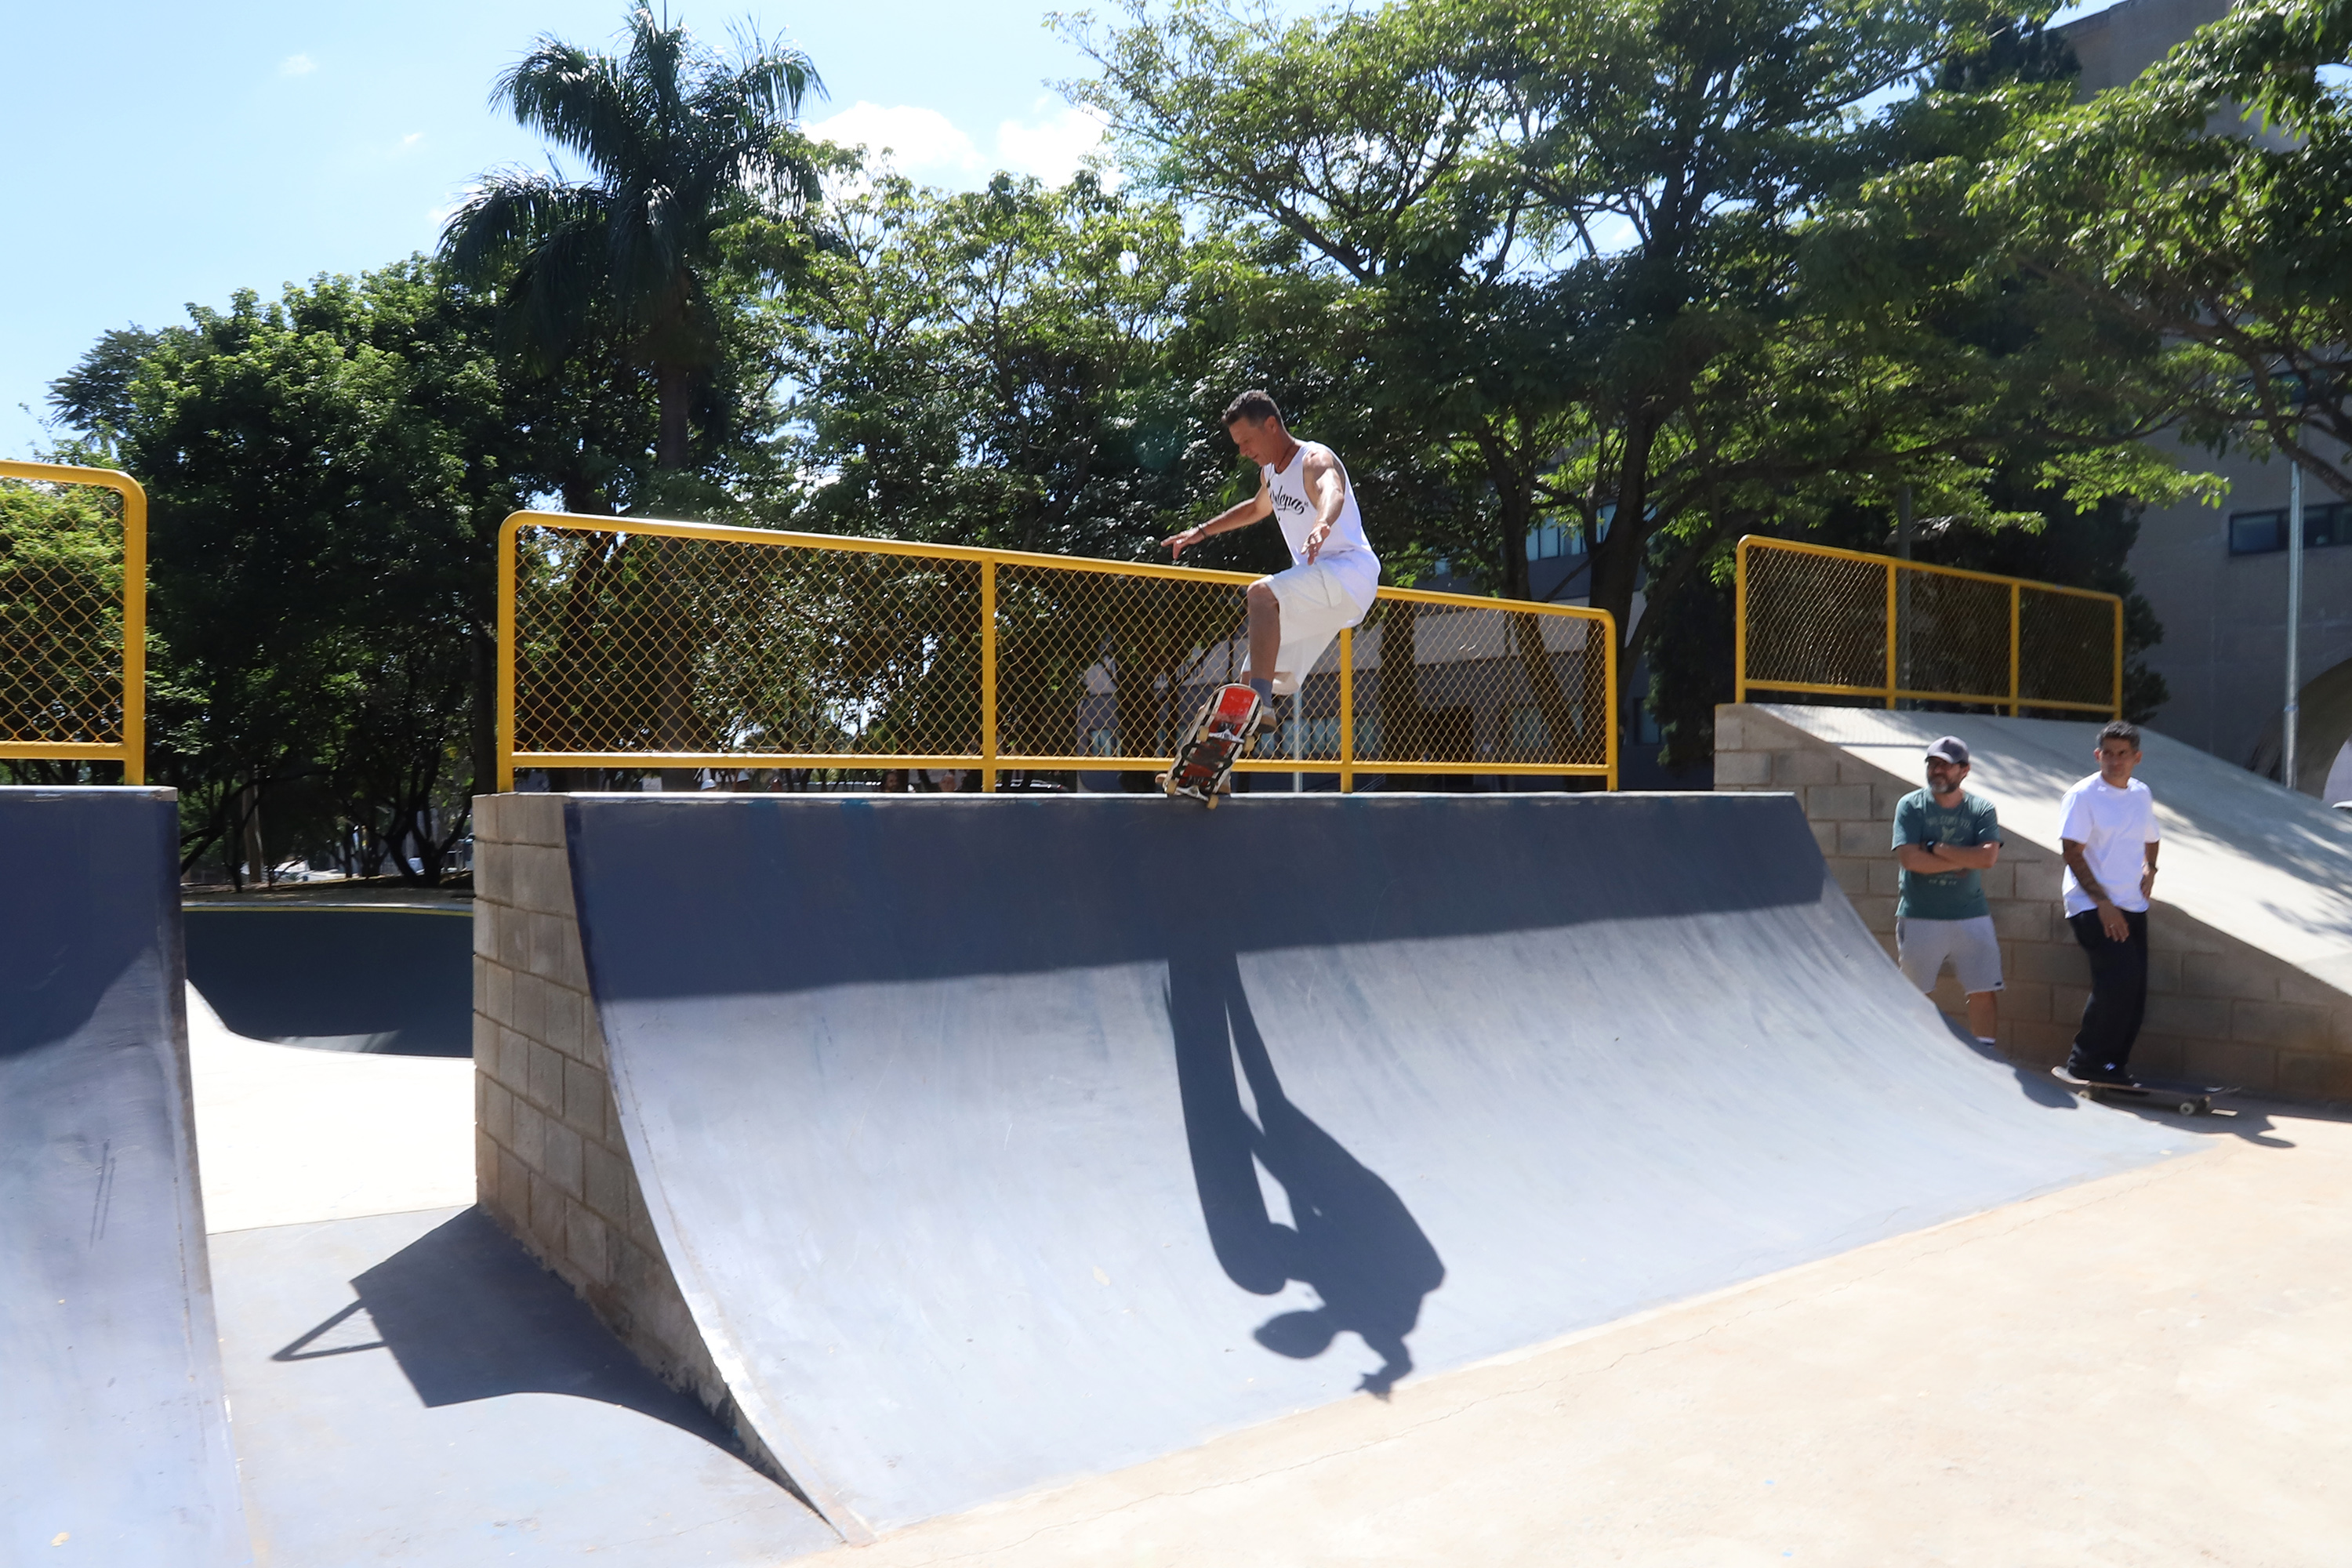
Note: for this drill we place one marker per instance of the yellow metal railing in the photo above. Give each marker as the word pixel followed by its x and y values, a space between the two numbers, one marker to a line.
pixel 73 635
pixel 634 644
pixel 1823 622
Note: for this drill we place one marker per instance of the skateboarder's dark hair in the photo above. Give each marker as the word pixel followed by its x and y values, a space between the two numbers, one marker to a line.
pixel 1255 405
pixel 2117 730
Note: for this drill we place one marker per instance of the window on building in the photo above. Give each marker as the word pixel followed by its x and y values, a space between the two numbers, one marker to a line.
pixel 2264 532
pixel 1549 541
pixel 2257 533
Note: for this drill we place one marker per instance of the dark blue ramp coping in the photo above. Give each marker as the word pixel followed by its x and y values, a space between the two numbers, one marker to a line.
pixel 998 1140
pixel 114 1441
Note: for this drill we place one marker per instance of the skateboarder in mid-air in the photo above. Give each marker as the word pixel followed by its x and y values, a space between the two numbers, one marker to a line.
pixel 1293 615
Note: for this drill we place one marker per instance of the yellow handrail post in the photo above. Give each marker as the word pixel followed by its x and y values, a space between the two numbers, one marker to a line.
pixel 1347 709
pixel 2016 647
pixel 1609 671
pixel 506 694
pixel 1890 570
pixel 134 631
pixel 2119 659
pixel 1739 622
pixel 988 738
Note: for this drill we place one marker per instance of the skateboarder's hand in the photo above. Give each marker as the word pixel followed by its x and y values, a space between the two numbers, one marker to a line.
pixel 2112 921
pixel 1178 543
pixel 1315 537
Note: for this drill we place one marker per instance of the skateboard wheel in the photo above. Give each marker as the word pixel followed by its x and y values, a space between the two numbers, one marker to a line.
pixel 2187 1107
pixel 1211 801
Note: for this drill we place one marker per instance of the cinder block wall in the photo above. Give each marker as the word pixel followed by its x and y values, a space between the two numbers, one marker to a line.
pixel 2217 1008
pixel 549 1163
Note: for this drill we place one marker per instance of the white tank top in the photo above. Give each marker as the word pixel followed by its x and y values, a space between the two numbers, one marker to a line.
pixel 1346 552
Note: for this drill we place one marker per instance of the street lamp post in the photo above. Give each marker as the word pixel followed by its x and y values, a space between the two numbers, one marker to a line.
pixel 2293 619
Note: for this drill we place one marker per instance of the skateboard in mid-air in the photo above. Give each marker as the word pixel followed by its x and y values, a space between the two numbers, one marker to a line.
pixel 2187 1099
pixel 1217 740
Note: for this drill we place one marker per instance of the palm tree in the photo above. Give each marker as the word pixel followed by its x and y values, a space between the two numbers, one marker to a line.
pixel 682 142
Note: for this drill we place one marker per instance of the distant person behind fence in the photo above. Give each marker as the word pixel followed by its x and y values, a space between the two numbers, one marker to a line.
pixel 1943 839
pixel 2106 823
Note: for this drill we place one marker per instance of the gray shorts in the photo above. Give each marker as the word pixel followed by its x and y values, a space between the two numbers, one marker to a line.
pixel 1970 945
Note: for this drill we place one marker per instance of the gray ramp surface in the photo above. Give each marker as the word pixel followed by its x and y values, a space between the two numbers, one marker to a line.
pixel 114 1442
pixel 998 1140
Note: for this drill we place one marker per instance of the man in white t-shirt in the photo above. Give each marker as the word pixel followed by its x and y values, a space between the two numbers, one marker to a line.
pixel 2107 825
pixel 1303 486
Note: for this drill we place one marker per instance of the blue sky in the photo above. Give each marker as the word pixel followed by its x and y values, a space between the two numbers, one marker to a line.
pixel 160 154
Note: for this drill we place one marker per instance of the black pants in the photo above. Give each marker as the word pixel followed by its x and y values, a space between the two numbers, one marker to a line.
pixel 2118 993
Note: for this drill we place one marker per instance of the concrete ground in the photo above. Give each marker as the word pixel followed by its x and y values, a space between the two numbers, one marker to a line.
pixel 406 1385
pixel 287 1134
pixel 2151 1369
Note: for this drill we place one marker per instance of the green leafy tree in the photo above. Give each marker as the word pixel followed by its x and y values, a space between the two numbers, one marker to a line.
pixel 2207 205
pixel 1595 250
pixel 682 144
pixel 325 474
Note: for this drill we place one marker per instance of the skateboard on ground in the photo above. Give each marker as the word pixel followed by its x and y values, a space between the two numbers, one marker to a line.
pixel 1217 740
pixel 2187 1099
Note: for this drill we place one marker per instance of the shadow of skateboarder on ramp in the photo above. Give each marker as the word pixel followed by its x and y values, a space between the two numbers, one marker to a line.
pixel 1351 1239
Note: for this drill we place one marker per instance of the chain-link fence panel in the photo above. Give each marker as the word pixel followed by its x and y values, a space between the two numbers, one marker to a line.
pixel 72 613
pixel 2070 650
pixel 652 644
pixel 1839 625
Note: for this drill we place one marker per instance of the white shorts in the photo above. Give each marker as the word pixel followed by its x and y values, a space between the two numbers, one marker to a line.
pixel 1316 608
pixel 1970 945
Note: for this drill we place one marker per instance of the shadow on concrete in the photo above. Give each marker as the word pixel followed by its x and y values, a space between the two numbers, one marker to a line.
pixel 1351 1238
pixel 396 981
pixel 467 1315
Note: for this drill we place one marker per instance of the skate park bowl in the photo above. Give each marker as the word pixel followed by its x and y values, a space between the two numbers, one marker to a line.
pixel 114 1435
pixel 953 1147
pixel 390 979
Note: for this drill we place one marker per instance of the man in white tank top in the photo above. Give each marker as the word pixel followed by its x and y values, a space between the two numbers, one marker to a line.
pixel 1302 485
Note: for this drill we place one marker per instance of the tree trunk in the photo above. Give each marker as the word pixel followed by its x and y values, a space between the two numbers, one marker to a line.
pixel 1617 562
pixel 674 384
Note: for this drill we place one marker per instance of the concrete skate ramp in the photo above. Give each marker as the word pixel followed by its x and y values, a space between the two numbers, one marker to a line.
pixel 114 1444
pixel 381 978
pixel 995 1140
pixel 2242 855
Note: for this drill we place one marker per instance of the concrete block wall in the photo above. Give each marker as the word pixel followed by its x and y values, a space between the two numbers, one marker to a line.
pixel 550 1165
pixel 2217 1007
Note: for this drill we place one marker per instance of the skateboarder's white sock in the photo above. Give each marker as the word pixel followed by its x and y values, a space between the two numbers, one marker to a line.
pixel 1264 688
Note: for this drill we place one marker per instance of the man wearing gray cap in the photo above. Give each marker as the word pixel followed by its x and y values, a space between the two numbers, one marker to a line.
pixel 1944 838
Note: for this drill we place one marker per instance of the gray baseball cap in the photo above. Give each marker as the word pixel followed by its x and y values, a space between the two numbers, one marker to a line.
pixel 1950 749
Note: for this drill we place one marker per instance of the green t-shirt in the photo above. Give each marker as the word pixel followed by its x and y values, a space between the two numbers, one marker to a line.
pixel 1943 895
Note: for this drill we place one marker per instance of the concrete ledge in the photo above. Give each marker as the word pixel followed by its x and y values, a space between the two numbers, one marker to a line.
pixel 2219 1005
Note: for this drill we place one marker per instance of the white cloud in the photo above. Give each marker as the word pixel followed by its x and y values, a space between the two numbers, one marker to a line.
pixel 929 147
pixel 1052 149
pixel 412 139
pixel 297 65
pixel 922 144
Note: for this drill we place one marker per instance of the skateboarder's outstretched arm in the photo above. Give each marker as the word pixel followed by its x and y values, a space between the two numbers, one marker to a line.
pixel 1256 510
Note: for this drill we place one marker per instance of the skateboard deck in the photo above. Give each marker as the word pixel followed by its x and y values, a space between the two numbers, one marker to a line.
pixel 1218 739
pixel 2187 1099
